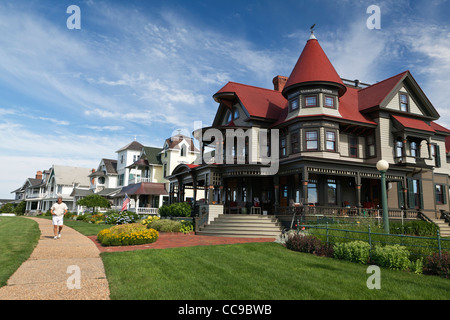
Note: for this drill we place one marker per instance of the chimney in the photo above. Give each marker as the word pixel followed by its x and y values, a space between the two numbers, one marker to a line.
pixel 279 82
pixel 39 175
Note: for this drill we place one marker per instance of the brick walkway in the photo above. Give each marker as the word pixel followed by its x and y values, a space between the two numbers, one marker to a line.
pixel 174 240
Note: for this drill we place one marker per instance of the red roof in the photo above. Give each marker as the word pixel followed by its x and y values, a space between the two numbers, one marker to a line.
pixel 414 123
pixel 313 65
pixel 373 95
pixel 258 102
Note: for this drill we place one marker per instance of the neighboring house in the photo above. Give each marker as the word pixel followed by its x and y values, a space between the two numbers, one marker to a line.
pixel 332 132
pixel 42 191
pixel 147 183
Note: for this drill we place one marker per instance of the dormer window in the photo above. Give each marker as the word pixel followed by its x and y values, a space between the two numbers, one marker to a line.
pixel 404 103
pixel 235 113
pixel 311 101
pixel 183 151
pixel 229 116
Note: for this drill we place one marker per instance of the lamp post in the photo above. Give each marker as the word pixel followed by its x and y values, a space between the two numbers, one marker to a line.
pixel 383 166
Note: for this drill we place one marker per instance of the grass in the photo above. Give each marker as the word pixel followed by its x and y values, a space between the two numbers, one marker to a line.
pixel 87 229
pixel 255 271
pixel 18 238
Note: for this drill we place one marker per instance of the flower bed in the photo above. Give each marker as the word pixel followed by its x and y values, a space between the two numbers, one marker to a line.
pixel 127 234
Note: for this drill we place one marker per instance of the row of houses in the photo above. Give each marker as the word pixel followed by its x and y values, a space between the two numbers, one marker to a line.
pixel 139 172
pixel 329 133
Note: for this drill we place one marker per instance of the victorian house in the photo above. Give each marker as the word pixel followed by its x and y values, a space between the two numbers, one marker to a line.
pixel 331 133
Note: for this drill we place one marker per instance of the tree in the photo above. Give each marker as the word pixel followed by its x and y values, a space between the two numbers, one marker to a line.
pixel 93 201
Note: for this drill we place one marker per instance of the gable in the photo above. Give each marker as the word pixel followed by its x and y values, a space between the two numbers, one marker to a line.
pixel 386 95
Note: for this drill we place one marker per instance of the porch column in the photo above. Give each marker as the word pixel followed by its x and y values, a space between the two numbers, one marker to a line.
pixel 210 194
pixel 404 149
pixel 221 195
pixel 305 179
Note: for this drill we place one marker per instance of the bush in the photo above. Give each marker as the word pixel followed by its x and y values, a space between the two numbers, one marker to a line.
pixel 97 218
pixel 186 226
pixel 122 218
pixel 414 228
pixel 438 265
pixel 394 257
pixel 149 220
pixel 127 234
pixel 308 244
pixel 165 225
pixel 180 209
pixel 355 251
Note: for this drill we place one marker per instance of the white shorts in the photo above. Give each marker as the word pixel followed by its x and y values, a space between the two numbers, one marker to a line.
pixel 57 221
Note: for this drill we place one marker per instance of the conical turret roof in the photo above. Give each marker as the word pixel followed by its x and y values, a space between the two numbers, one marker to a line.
pixel 313 66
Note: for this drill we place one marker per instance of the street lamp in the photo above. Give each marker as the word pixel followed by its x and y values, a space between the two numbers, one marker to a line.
pixel 383 166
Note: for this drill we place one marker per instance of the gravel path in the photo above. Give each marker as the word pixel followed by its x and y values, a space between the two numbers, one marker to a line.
pixel 69 268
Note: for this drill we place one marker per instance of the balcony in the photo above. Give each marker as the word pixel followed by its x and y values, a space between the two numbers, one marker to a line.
pixel 138 179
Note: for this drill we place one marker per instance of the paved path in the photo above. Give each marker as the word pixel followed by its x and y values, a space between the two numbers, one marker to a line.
pixel 45 275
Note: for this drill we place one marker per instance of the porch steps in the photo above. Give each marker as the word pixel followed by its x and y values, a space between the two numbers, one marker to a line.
pixel 243 226
pixel 444 227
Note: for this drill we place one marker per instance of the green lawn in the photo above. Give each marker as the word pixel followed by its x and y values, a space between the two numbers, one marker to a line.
pixel 255 271
pixel 88 229
pixel 18 238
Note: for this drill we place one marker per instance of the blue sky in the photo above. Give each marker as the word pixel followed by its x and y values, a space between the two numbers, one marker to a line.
pixel 148 68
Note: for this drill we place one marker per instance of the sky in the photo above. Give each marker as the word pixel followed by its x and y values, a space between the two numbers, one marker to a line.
pixel 147 69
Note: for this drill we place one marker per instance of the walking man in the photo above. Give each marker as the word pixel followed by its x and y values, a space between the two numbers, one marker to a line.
pixel 58 211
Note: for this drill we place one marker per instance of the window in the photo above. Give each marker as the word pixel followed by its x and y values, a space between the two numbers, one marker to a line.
pixel 283 146
pixel 236 113
pixel 293 104
pixel 413 148
pixel 440 194
pixel 312 192
pixel 399 148
pixel 332 187
pixel 310 101
pixel 404 106
pixel 331 141
pixel 415 194
pixel 312 140
pixel 329 102
pixel 121 159
pixel 121 178
pixel 295 143
pixel 183 151
pixel 229 116
pixel 353 147
pixel 370 141
pixel 165 170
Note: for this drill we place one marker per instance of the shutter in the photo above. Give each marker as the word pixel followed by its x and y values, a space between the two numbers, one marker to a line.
pixel 437 154
pixel 400 194
pixel 444 194
pixel 411 200
pixel 420 194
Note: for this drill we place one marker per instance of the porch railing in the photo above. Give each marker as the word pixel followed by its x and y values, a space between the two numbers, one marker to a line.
pixel 345 211
pixel 144 210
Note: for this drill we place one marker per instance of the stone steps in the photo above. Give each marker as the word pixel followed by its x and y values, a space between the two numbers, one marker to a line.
pixel 243 226
pixel 444 227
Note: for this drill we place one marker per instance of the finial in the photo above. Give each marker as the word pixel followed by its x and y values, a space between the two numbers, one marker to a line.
pixel 312 36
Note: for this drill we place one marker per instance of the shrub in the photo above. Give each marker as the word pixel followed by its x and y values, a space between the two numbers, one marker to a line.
pixel 122 218
pixel 355 251
pixel 438 265
pixel 394 257
pixel 181 209
pixel 97 218
pixel 149 220
pixel 414 228
pixel 127 234
pixel 165 225
pixel 186 226
pixel 308 244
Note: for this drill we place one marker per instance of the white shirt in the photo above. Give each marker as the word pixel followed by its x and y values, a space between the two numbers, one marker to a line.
pixel 59 209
